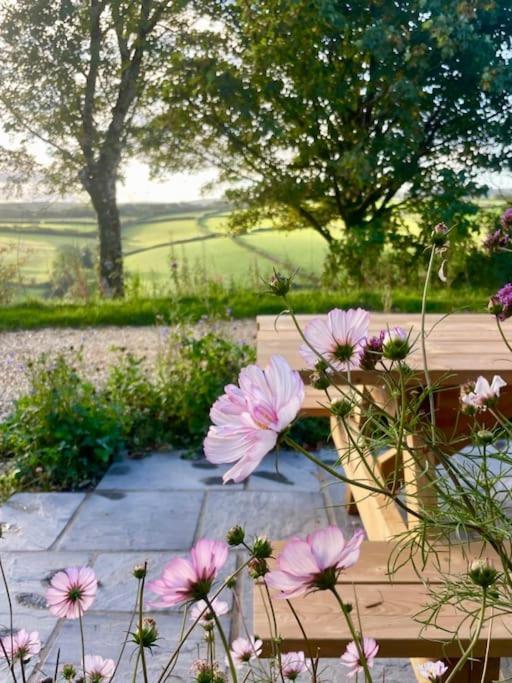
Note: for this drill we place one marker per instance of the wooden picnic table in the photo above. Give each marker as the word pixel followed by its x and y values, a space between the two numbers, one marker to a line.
pixel 459 347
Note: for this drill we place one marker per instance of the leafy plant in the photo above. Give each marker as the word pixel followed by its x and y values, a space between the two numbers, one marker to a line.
pixel 191 374
pixel 61 434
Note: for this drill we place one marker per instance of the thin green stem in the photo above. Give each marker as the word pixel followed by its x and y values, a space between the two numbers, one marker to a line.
pixel 136 667
pixel 141 610
pixel 424 343
pixel 186 634
pixel 462 661
pixel 128 632
pixel 22 667
pixel 372 489
pixel 276 633
pixel 502 333
pixel 355 636
pixel 11 621
pixel 82 642
pixel 312 658
pixel 225 643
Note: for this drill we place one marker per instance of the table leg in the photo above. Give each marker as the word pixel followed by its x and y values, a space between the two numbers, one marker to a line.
pixel 379 513
pixel 418 471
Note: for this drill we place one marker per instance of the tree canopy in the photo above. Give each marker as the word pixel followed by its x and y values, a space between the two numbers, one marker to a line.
pixel 74 77
pixel 328 112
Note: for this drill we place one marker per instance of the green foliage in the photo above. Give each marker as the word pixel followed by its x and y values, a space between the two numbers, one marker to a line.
pixel 65 432
pixel 330 114
pixel 142 420
pixel 73 273
pixel 192 373
pixel 242 304
pixel 61 434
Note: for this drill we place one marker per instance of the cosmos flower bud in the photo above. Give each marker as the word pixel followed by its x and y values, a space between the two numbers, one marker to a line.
pixel 341 407
pixel 440 234
pixel 147 635
pixel 68 672
pixel 261 548
pixel 257 568
pixel 235 536
pixel 395 344
pixel 484 437
pixel 483 573
pixel 139 571
pixel 279 284
pixel 320 380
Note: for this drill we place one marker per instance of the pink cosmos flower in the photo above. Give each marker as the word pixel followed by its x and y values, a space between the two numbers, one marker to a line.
pixel 293 664
pixel 433 671
pixel 350 658
pixel 98 669
pixel 244 651
pixel 23 646
pixel 201 612
pixel 72 592
pixel 314 564
pixel 191 577
pixel 339 338
pixel 482 394
pixel 249 418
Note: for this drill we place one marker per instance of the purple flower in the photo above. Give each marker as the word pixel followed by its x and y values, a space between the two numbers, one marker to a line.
pixel 500 304
pixel 372 351
pixel 506 219
pixel 496 240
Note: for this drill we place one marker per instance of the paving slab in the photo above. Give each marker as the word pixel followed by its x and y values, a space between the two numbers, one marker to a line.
pixel 104 636
pixel 29 574
pixel 164 471
pixel 143 520
pixel 117 586
pixel 285 471
pixel 277 515
pixel 34 521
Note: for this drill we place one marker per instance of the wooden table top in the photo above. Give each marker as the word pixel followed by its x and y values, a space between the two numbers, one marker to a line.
pixel 459 347
pixel 387 607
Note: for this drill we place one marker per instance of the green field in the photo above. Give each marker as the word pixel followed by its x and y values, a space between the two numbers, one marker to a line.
pixel 193 235
pixel 198 238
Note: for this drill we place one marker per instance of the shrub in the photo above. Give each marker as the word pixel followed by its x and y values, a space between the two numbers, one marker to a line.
pixel 61 434
pixel 65 432
pixel 192 373
pixel 134 392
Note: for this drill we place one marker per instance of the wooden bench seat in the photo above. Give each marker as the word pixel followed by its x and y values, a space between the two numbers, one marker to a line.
pixel 387 606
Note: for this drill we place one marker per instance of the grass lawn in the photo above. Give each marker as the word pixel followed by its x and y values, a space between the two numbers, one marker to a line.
pixel 241 304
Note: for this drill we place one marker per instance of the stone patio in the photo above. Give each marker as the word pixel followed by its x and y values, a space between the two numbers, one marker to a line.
pixel 152 509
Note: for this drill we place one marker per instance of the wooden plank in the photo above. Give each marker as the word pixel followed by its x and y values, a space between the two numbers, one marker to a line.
pixel 419 473
pixel 377 557
pixel 453 347
pixel 387 614
pixel 380 516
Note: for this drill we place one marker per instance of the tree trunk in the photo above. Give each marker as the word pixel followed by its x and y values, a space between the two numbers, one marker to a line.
pixel 102 190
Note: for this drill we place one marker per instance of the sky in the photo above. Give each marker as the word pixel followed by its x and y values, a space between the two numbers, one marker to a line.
pixel 137 185
pixel 179 187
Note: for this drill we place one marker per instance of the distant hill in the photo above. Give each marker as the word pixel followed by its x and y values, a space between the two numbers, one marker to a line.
pixel 30 211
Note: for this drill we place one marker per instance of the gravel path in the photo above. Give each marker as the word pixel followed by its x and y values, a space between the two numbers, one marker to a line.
pixel 98 346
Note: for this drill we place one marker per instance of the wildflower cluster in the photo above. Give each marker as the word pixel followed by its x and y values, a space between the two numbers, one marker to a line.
pixel 499 239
